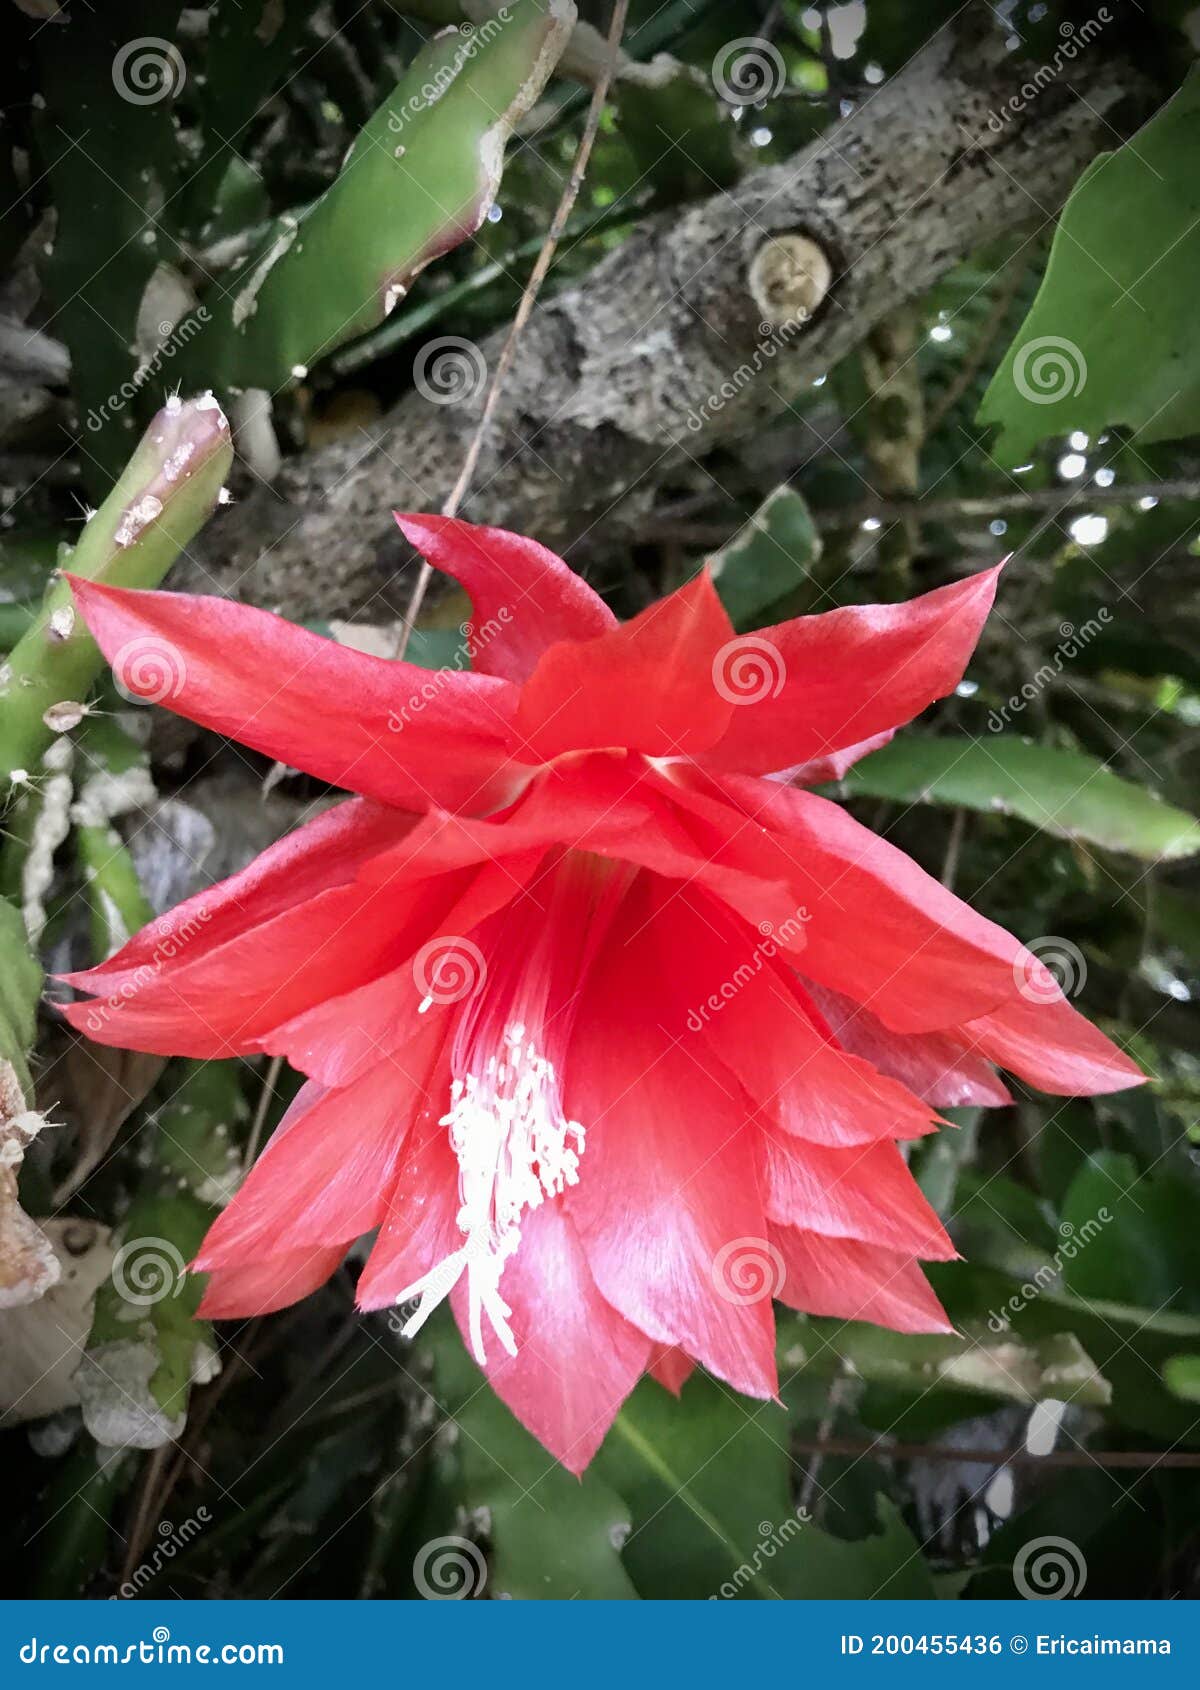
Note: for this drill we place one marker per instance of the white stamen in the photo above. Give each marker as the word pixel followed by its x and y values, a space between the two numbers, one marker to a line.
pixel 514 1149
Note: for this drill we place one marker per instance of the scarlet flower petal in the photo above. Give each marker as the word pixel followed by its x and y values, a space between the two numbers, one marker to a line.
pixel 421 1228
pixel 866 1193
pixel 326 852
pixel 938 1067
pixel 267 1283
pixel 524 597
pixel 878 928
pixel 325 1174
pixel 745 1007
pixel 577 1359
pixel 847 1280
pixel 854 673
pixel 1050 1045
pixel 647 685
pixel 818 770
pixel 390 730
pixel 671 1367
pixel 659 1210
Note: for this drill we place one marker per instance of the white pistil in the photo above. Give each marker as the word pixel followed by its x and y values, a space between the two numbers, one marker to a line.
pixel 515 1148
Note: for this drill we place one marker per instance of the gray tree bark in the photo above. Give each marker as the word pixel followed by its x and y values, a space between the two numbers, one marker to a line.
pixel 664 351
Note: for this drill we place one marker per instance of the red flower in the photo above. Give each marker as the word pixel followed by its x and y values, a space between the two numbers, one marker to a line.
pixel 610 1037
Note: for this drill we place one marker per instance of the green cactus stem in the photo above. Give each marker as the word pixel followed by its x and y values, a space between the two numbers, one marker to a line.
pixel 171 485
pixel 419 180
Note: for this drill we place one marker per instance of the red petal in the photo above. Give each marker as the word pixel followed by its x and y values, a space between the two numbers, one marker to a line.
pixel 866 1193
pixel 409 736
pixel 877 927
pixel 268 1282
pixel 327 1171
pixel 667 1189
pixel 577 1359
pixel 1053 1047
pixel 935 1066
pixel 834 766
pixel 421 1228
pixel 646 685
pixel 670 1367
pixel 524 597
pixel 846 1280
pixel 852 674
pixel 337 1038
pixel 326 852
pixel 744 1006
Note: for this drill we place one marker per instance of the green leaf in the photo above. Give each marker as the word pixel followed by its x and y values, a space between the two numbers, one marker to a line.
pixel 419 179
pixel 708 1479
pixel 1111 335
pixel 1142 1232
pixel 1063 792
pixel 553 1537
pixel 769 559
pixel 978 1361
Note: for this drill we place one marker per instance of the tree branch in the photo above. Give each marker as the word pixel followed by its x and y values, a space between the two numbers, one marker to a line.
pixel 662 353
